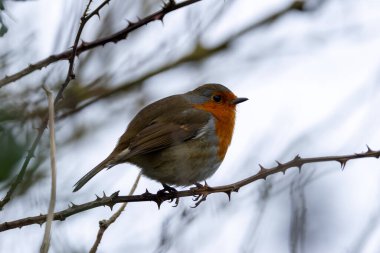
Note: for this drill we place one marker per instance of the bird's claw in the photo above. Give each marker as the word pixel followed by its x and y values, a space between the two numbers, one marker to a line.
pixel 200 193
pixel 198 199
pixel 169 190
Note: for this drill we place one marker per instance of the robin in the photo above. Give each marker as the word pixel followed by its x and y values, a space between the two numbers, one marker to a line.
pixel 179 140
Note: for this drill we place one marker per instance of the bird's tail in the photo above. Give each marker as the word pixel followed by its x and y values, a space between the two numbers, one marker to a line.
pixel 105 164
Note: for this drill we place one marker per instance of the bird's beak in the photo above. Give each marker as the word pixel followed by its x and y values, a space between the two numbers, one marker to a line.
pixel 238 100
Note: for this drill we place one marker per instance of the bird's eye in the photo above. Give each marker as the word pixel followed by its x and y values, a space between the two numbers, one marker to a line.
pixel 217 98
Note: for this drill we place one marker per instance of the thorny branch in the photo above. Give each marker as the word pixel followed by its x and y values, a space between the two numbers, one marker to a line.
pixel 200 192
pixel 104 224
pixel 84 46
pixel 199 53
pixel 70 76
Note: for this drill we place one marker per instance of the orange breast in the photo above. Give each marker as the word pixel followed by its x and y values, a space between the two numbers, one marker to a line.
pixel 224 123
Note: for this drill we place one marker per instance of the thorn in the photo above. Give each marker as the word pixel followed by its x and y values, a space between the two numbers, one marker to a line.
pixel 130 23
pixel 299 168
pixel 228 194
pixel 369 150
pixel 236 189
pixel 262 169
pixel 115 194
pixel 169 4
pixel 159 16
pixel 84 43
pixel 110 205
pixel 297 157
pixel 104 195
pixel 97 197
pixel 278 163
pixel 158 202
pixel 147 193
pixel 342 163
pixel 72 204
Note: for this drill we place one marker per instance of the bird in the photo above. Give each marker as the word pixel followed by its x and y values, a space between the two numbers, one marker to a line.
pixel 179 140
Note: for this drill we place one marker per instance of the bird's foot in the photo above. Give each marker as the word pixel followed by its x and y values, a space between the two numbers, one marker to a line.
pixel 200 187
pixel 169 190
pixel 200 193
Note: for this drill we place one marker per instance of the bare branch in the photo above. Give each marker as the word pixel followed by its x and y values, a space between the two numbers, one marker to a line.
pixel 50 215
pixel 115 37
pixel 200 192
pixel 70 76
pixel 104 224
pixel 199 53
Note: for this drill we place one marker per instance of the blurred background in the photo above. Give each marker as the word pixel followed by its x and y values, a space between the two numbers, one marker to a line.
pixel 311 70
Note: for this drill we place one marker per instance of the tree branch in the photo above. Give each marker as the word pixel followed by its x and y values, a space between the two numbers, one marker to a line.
pixel 115 37
pixel 46 239
pixel 199 53
pixel 200 192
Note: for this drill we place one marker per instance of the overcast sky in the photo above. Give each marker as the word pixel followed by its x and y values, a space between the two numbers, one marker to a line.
pixel 313 84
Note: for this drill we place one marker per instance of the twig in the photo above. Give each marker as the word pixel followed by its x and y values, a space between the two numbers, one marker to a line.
pixel 49 218
pixel 104 224
pixel 115 37
pixel 201 192
pixel 70 76
pixel 199 53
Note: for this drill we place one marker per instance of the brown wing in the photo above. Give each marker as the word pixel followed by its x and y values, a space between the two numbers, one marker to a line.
pixel 160 136
pixel 165 123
